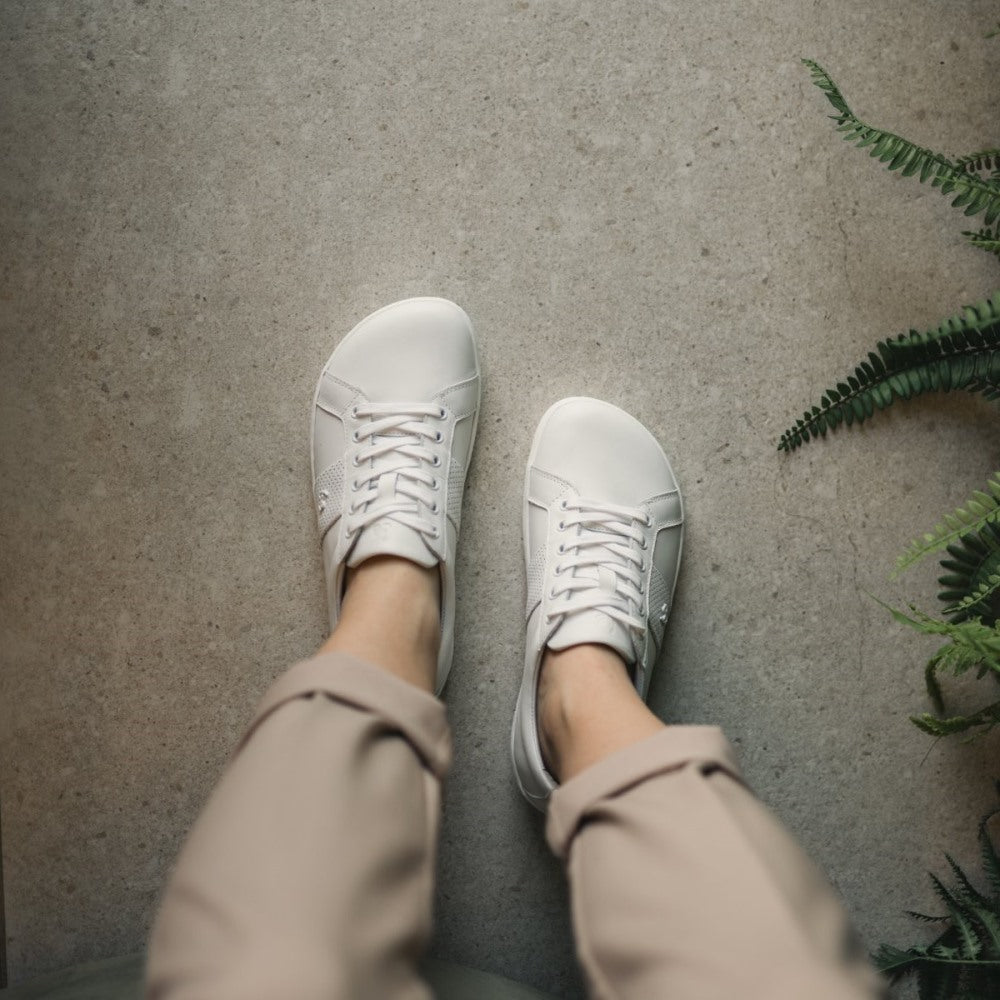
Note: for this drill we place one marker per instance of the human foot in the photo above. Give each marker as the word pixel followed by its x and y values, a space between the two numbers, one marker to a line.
pixel 603 527
pixel 394 421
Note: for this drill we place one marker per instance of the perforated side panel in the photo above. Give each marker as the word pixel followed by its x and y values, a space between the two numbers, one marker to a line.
pixel 331 482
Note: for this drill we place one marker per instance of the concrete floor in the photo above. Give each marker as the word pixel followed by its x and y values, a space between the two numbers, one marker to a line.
pixel 640 202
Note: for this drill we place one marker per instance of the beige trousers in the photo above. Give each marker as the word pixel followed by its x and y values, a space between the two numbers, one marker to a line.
pixel 310 873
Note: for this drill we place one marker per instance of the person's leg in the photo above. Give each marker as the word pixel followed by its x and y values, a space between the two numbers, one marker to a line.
pixel 683 885
pixel 310 872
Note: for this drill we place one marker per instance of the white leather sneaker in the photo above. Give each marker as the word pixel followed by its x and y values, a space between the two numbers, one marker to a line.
pixel 394 421
pixel 603 529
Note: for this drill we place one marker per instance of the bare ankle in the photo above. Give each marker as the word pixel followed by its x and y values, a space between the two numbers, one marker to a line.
pixel 391 616
pixel 587 708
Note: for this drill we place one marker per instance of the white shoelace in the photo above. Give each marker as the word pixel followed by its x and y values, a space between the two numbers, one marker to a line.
pixel 608 557
pixel 400 483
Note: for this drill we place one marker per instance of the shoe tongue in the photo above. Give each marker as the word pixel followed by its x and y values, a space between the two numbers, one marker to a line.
pixel 387 537
pixel 593 626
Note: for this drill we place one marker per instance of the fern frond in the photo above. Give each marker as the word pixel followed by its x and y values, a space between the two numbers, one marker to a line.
pixel 981 508
pixel 984 720
pixel 986 239
pixel 986 589
pixel 965 890
pixel 931 681
pixel 888 959
pixel 971 633
pixel 972 194
pixel 962 353
pixel 987 159
pixel 950 659
pixel 991 861
pixel 963 961
pixel 969 320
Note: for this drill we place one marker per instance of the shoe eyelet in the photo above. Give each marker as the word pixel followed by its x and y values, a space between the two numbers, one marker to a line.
pixel 552 594
pixel 355 486
pixel 563 505
pixel 434 507
pixel 435 533
pixel 356 437
pixel 354 461
pixel 438 437
pixel 434 484
pixel 562 526
pixel 649 520
pixel 558 571
pixel 437 462
pixel 642 565
pixel 354 411
pixel 561 549
pixel 644 545
pixel 442 413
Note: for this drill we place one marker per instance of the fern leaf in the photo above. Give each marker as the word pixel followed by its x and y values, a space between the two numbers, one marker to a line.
pixel 969 945
pixel 970 633
pixel 953 659
pixel 963 962
pixel 985 590
pixel 989 920
pixel 986 159
pixel 930 678
pixel 890 960
pixel 971 193
pixel 991 861
pixel 986 718
pixel 962 353
pixel 965 892
pixel 986 239
pixel 981 508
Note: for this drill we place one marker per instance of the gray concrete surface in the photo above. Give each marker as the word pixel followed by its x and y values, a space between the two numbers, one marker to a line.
pixel 642 202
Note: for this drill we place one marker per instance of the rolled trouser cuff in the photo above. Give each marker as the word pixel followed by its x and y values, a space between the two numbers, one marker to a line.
pixel 416 714
pixel 674 747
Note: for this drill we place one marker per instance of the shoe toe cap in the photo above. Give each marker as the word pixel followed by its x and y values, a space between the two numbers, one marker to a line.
pixel 603 452
pixel 410 350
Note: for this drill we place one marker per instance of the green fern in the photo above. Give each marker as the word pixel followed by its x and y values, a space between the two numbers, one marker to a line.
pixel 986 239
pixel 972 193
pixel 973 576
pixel 981 162
pixel 980 509
pixel 979 596
pixel 971 633
pixel 962 353
pixel 973 645
pixel 963 962
pixel 982 720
